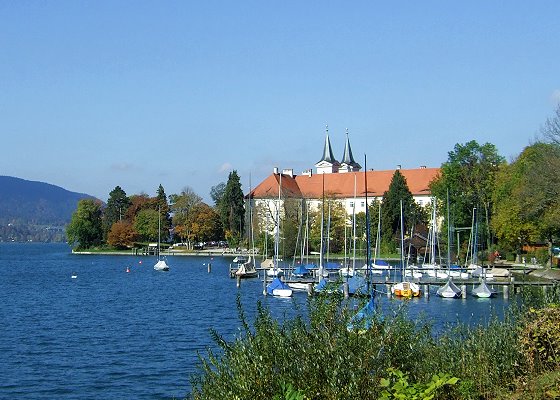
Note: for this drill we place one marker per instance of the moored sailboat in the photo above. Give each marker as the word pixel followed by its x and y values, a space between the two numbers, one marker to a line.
pixel 404 288
pixel 483 291
pixel 277 287
pixel 449 290
pixel 160 265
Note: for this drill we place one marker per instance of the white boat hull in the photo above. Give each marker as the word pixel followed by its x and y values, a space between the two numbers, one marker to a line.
pixel 299 286
pixel 161 265
pixel 282 292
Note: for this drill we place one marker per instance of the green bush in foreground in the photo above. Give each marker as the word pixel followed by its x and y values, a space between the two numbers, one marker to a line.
pixel 316 357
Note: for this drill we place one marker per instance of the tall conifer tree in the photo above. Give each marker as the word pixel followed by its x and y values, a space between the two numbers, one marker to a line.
pixel 232 209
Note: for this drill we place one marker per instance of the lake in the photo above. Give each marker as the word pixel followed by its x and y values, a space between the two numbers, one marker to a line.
pixel 113 334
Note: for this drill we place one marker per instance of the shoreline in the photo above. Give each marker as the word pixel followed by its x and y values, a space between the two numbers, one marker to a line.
pixel 538 270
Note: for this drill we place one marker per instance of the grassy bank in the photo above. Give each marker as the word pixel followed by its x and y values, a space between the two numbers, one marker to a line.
pixel 314 356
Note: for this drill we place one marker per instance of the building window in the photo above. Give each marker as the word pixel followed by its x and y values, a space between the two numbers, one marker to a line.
pixel 363 204
pixel 352 204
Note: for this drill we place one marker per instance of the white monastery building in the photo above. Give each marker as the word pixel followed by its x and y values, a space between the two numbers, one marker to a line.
pixel 343 181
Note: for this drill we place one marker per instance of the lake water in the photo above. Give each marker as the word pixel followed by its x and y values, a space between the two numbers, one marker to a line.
pixel 113 334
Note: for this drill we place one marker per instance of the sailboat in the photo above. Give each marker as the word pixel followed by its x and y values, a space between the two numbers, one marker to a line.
pixel 161 265
pixel 378 265
pixel 277 287
pixel 482 290
pixel 404 288
pixel 346 271
pixel 432 269
pixel 246 268
pixel 449 290
pixel 364 318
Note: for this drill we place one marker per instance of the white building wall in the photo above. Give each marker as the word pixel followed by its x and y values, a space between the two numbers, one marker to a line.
pixel 269 206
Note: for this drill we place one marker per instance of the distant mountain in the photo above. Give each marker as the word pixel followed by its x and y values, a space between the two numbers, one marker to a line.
pixel 32 210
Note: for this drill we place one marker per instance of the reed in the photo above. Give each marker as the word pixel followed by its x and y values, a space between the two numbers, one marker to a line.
pixel 318 358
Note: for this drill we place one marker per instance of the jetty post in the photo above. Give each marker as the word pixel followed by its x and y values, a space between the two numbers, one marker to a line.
pixel 506 292
pixel 427 291
pixel 346 290
pixel 464 291
pixel 388 289
pixel 209 267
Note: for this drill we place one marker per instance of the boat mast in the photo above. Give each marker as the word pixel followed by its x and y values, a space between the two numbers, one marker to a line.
pixel 159 233
pixel 354 229
pixel 403 267
pixel 277 236
pixel 251 238
pixel 368 247
pixel 448 234
pixel 322 230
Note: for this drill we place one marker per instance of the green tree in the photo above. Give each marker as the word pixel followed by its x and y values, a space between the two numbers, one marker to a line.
pixel 85 228
pixel 182 205
pixel 232 208
pixel 336 221
pixel 217 193
pixel 139 202
pixel 163 207
pixel 147 223
pixel 290 226
pixel 116 208
pixel 391 210
pixel 204 224
pixel 527 198
pixel 469 175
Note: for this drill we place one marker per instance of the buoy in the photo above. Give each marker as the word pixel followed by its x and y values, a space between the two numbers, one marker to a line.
pixel 140 262
pixel 127 269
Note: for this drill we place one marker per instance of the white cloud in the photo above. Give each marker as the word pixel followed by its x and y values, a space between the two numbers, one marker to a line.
pixel 225 167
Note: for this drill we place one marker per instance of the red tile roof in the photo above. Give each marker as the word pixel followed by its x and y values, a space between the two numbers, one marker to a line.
pixel 342 184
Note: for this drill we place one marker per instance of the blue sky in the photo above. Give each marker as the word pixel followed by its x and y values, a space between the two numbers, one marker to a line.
pixel 140 93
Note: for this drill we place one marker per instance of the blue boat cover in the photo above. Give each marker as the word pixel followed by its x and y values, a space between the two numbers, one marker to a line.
pixel 301 270
pixel 325 286
pixel 357 286
pixel 332 265
pixel 381 263
pixel 363 319
pixel 276 284
pixel 321 285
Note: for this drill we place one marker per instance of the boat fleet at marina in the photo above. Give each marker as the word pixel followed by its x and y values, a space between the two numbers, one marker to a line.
pixel 334 277
pixel 404 280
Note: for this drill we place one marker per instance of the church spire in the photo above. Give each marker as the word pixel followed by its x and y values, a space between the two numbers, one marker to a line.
pixel 328 163
pixel 327 151
pixel 348 163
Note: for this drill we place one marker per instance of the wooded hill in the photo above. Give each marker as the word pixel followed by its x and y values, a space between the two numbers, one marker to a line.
pixel 35 211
